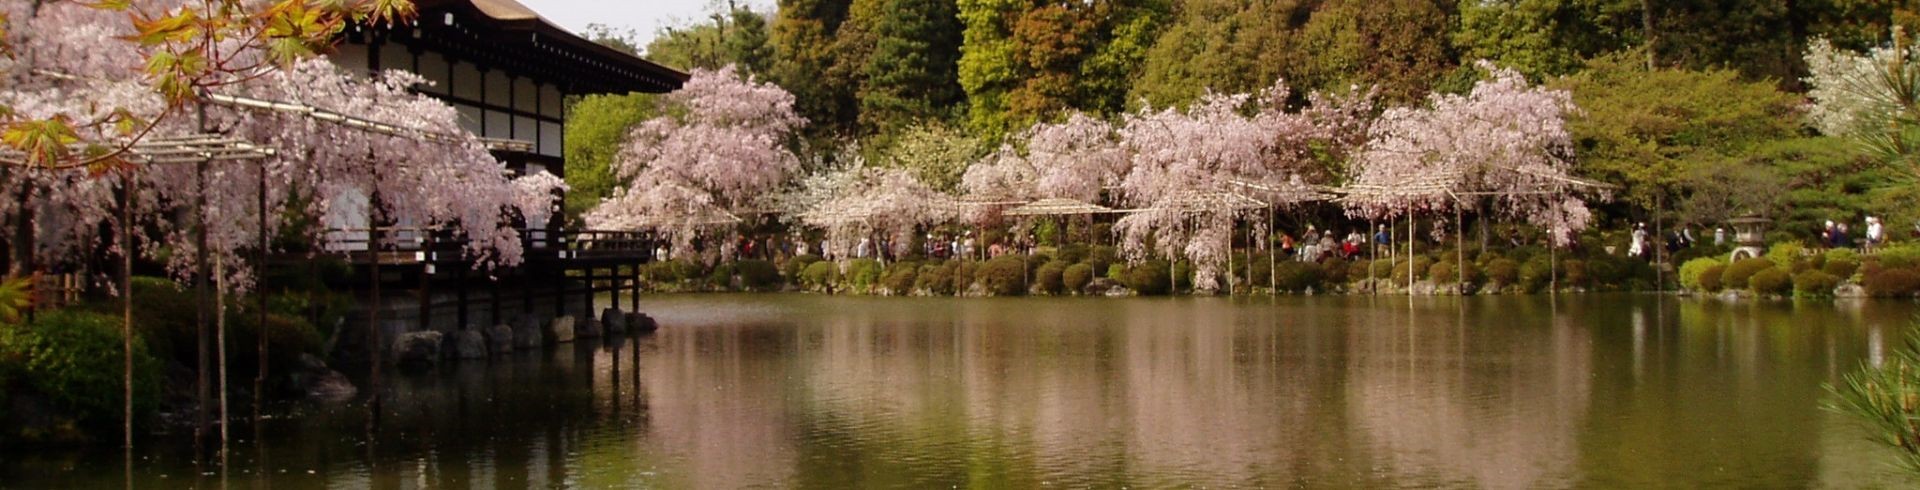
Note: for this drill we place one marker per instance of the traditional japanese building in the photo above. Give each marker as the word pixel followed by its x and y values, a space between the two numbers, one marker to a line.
pixel 506 69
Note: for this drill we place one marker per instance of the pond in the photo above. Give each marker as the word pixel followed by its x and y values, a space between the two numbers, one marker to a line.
pixel 1598 391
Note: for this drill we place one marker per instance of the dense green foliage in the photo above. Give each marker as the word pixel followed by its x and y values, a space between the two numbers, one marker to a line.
pixel 74 359
pixel 596 126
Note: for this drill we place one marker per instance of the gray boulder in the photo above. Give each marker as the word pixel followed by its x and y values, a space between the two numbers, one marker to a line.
pixel 560 330
pixel 417 348
pixel 500 338
pixel 529 336
pixel 466 344
pixel 589 329
pixel 613 320
pixel 641 323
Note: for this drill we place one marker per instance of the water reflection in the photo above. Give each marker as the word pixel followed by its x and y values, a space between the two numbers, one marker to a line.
pixel 819 392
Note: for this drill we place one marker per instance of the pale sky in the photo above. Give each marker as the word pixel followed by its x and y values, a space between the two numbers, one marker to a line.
pixel 646 17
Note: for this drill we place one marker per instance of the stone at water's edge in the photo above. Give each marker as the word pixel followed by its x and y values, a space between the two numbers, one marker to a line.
pixel 589 329
pixel 641 323
pixel 1102 286
pixel 613 320
pixel 322 383
pixel 500 339
pixel 528 336
pixel 1850 291
pixel 560 330
pixel 466 344
pixel 417 348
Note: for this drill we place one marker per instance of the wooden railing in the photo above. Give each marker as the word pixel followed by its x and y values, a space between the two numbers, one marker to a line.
pixel 408 245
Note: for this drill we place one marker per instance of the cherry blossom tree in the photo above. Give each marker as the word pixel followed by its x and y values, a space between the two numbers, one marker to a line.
pixel 722 149
pixel 87 84
pixel 1870 97
pixel 861 201
pixel 1501 148
pixel 1195 172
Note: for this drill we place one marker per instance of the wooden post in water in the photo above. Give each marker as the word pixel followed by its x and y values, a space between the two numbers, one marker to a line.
pixel 126 311
pixel 586 297
pixel 260 298
pixel 425 321
pixel 220 347
pixel 1459 248
pixel 460 298
pixel 493 298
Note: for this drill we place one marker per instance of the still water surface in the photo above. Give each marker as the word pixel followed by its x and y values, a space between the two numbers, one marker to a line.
pixel 779 391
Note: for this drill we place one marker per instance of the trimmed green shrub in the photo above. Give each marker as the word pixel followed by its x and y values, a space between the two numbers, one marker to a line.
pixel 1503 271
pixel 863 273
pixel 757 274
pixel 1892 283
pixel 74 358
pixel 1442 272
pixel 1004 276
pixel 1049 277
pixel 1149 278
pixel 1101 257
pixel 1786 253
pixel 1690 272
pixel 1296 277
pixel 1117 272
pixel 722 275
pixel 1574 273
pixel 1814 284
pixel 796 265
pixel 1073 253
pixel 1774 280
pixel 820 275
pixel 1076 277
pixel 1536 273
pixel 1739 273
pixel 901 277
pixel 1841 267
pixel 936 278
pixel 1710 278
pixel 1332 271
pixel 963 276
pixel 1421 264
pixel 1381 269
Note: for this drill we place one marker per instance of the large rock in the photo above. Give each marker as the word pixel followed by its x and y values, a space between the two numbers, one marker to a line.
pixel 1104 287
pixel 560 330
pixel 589 329
pixel 500 339
pixel 528 336
pixel 319 382
pixel 466 344
pixel 641 323
pixel 1850 291
pixel 614 321
pixel 417 348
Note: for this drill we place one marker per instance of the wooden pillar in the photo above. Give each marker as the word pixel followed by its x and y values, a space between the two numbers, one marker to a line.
pixel 493 300
pixel 426 295
pixel 559 289
pixel 636 287
pixel 613 287
pixel 586 296
pixel 461 298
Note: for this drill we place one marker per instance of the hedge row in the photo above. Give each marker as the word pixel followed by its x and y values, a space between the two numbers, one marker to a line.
pixel 1072 269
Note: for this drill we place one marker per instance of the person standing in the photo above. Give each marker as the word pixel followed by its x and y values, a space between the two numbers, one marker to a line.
pixel 1875 234
pixel 1637 247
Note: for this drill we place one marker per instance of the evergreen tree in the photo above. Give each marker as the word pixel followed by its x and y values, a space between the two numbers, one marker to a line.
pixel 803 52
pixel 911 73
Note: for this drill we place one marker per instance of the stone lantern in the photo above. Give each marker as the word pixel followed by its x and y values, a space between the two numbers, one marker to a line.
pixel 1749 237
